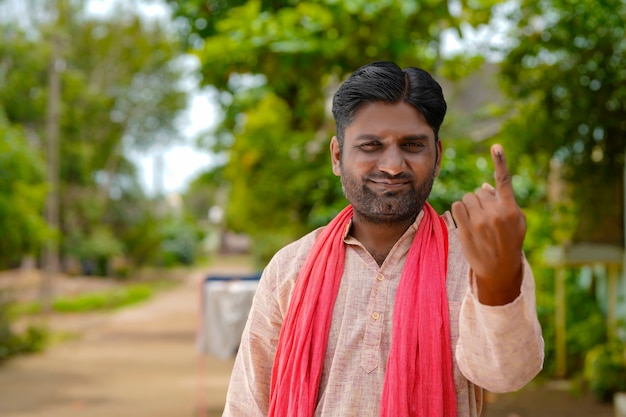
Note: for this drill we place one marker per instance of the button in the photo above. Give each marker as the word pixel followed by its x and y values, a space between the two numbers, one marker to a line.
pixel 380 277
pixel 375 316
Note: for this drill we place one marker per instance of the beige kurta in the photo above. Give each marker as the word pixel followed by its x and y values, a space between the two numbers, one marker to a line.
pixel 496 348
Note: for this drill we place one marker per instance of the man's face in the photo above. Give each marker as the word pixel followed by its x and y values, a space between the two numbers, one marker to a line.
pixel 389 162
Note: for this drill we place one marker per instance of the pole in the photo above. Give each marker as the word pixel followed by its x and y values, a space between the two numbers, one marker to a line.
pixel 560 323
pixel 51 247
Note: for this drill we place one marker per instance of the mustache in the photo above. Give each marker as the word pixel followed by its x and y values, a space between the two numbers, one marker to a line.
pixel 386 176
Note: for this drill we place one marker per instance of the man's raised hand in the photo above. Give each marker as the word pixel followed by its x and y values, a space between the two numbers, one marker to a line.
pixel 492 229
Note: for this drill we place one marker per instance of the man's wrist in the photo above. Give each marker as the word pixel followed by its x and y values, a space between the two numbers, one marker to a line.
pixel 498 291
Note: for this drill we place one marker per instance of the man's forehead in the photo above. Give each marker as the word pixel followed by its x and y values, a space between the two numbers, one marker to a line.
pixel 380 118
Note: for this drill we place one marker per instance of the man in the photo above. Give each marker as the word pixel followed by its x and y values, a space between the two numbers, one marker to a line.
pixel 390 309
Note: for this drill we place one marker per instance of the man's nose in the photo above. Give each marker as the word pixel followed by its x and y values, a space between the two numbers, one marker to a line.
pixel 392 161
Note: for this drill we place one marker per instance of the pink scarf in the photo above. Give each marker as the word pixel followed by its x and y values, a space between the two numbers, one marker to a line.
pixel 419 377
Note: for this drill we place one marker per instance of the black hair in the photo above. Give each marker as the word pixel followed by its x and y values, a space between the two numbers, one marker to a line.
pixel 386 82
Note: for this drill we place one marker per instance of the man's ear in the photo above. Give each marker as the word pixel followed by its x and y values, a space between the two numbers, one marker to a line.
pixel 335 156
pixel 439 157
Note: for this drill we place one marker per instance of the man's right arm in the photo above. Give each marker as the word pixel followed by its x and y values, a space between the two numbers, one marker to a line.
pixel 501 348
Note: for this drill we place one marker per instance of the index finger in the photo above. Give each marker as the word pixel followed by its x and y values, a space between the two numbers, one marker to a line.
pixel 504 186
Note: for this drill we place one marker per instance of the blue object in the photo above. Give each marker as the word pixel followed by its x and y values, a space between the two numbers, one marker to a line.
pixel 254 277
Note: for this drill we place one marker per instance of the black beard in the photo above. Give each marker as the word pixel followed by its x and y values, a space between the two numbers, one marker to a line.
pixel 390 208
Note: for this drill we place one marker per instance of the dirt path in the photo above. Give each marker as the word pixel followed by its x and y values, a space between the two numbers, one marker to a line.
pixel 142 362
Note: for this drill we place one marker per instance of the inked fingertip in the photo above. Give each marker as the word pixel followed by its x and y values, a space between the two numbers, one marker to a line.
pixel 498 152
pixel 500 155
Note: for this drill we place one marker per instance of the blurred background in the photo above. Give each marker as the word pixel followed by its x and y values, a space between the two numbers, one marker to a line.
pixel 145 142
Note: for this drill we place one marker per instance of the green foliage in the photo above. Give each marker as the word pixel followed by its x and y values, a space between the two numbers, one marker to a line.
pixel 586 324
pixel 110 299
pixel 95 249
pixel 288 172
pixel 464 167
pixel 290 42
pixel 567 84
pixel 122 90
pixel 181 240
pixel 585 321
pixel 205 192
pixel 105 300
pixel 275 64
pixel 567 78
pixel 32 340
pixel 22 196
pixel 605 369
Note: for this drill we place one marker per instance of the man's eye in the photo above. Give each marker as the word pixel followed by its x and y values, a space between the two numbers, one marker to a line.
pixel 370 146
pixel 414 146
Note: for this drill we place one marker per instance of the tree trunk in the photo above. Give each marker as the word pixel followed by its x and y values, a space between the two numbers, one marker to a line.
pixel 51 249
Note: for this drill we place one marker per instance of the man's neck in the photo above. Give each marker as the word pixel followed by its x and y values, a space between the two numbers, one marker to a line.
pixel 378 238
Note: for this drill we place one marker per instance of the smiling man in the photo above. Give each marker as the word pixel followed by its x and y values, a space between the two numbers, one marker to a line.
pixel 392 309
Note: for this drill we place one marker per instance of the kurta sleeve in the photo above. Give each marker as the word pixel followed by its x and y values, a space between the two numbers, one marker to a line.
pixel 500 348
pixel 248 390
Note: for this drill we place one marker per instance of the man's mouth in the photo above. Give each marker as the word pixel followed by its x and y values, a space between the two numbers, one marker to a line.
pixel 390 185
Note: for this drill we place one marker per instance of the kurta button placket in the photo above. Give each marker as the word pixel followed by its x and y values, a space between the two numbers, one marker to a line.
pixel 378 303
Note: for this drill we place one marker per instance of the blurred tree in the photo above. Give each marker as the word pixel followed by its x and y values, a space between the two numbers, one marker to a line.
pixel 564 73
pixel 22 196
pixel 276 64
pixel 205 192
pixel 122 89
pixel 566 76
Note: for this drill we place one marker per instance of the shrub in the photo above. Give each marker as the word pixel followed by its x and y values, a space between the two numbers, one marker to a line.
pixel 605 369
pixel 34 339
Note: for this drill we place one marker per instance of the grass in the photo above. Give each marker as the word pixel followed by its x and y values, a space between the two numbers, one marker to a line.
pixel 37 337
pixel 104 300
